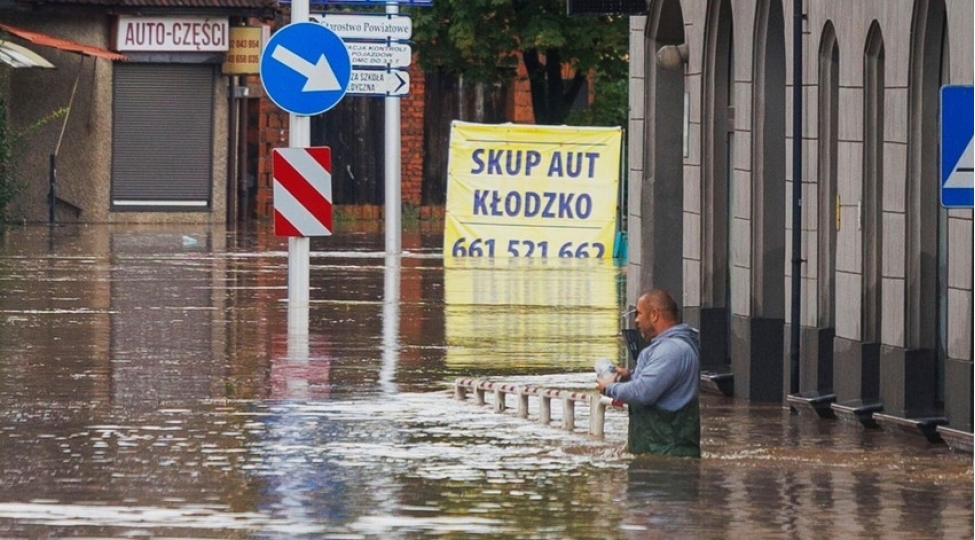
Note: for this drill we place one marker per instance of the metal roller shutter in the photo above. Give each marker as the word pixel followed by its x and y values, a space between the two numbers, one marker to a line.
pixel 163 137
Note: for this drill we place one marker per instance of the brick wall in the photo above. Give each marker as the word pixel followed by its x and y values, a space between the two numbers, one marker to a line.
pixel 272 132
pixel 411 138
pixel 520 109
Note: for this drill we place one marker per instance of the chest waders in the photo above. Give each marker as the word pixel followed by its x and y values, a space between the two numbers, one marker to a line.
pixel 656 431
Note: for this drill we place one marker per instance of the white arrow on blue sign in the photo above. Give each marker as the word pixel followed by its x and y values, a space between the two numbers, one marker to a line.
pixel 305 68
pixel 957 132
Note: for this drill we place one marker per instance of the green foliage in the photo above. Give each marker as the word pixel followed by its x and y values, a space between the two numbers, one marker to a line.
pixel 481 40
pixel 12 145
pixel 610 106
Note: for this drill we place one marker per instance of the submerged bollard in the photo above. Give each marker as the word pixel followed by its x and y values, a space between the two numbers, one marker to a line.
pixel 597 415
pixel 568 413
pixel 545 410
pixel 479 392
pixel 499 399
pixel 523 403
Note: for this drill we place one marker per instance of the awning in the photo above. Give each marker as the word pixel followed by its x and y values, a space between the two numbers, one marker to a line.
pixel 17 56
pixel 63 44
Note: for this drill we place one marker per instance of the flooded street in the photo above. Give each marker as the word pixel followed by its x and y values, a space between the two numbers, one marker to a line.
pixel 149 389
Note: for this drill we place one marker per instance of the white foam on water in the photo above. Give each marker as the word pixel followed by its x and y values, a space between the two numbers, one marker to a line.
pixel 147 517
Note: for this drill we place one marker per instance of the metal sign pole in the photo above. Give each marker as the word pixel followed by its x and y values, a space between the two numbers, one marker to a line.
pixel 393 167
pixel 299 250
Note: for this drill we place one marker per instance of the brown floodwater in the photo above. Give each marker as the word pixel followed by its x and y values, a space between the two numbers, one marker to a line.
pixel 149 389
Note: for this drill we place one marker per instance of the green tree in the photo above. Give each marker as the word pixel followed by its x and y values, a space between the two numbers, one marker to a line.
pixel 12 145
pixel 481 40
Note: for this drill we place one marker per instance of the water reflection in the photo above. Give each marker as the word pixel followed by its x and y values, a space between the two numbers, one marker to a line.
pixel 149 387
pixel 531 314
pixel 391 301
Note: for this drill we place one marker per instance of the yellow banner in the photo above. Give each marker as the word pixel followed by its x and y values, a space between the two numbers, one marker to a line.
pixel 244 52
pixel 531 191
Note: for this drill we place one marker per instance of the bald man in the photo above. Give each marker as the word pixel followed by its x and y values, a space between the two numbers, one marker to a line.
pixel 662 391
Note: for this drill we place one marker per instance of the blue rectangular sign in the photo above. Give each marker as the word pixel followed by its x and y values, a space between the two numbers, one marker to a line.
pixel 957 152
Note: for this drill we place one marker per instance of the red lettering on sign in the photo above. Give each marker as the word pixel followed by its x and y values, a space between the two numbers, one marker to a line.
pixel 177 35
pixel 200 35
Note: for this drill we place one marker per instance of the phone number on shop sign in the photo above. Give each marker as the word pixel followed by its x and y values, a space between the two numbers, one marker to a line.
pixel 479 247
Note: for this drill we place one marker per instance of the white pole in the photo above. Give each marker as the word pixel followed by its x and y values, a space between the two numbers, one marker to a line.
pixel 299 11
pixel 298 284
pixel 299 250
pixel 394 201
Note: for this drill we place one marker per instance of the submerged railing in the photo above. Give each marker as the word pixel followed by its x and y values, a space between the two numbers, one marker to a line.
pixel 597 403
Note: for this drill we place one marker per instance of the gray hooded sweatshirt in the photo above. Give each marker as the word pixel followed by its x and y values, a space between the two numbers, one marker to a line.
pixel 667 372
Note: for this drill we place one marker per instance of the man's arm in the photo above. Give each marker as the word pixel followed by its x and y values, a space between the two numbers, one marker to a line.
pixel 654 379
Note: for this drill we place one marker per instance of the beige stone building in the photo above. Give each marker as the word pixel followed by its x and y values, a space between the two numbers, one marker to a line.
pixel 885 295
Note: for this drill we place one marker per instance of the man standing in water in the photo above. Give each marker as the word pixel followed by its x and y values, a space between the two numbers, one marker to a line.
pixel 662 391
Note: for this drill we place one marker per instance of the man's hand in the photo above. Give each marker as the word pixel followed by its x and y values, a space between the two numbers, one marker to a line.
pixel 601 384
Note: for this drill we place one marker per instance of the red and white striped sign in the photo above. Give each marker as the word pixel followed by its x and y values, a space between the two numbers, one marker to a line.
pixel 302 191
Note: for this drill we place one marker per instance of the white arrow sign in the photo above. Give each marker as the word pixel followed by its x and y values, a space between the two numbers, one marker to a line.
pixel 379 83
pixel 375 27
pixel 379 55
pixel 320 76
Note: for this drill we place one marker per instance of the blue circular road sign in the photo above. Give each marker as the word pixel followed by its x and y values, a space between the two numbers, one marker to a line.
pixel 305 68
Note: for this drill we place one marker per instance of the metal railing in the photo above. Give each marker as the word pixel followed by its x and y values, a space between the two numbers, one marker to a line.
pixel 597 403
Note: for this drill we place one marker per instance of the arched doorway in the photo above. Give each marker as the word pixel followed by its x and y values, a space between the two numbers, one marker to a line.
pixel 817 372
pixel 921 366
pixel 718 124
pixel 758 324
pixel 871 227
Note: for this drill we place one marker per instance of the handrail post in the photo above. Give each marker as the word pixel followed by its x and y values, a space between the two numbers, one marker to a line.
pixel 522 403
pixel 460 391
pixel 478 393
pixel 545 410
pixel 568 413
pixel 597 416
pixel 499 399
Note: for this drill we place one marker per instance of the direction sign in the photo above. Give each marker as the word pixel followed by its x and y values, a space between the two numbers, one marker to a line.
pixel 305 68
pixel 371 82
pixel 379 55
pixel 302 191
pixel 957 131
pixel 377 27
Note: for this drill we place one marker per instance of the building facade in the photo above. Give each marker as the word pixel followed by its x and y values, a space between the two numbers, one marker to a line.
pixel 885 309
pixel 160 130
pixel 150 138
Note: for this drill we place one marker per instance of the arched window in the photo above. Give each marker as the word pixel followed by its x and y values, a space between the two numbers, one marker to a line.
pixel 872 193
pixel 768 161
pixel 718 120
pixel 829 89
